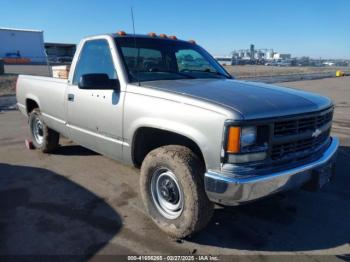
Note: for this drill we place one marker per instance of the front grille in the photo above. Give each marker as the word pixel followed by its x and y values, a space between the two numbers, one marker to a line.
pixel 298 135
pixel 298 148
pixel 296 126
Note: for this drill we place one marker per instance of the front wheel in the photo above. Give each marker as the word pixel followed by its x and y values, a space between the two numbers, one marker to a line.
pixel 43 137
pixel 172 190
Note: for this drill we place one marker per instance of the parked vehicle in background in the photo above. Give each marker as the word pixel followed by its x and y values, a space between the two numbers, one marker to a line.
pixel 65 59
pixel 224 60
pixel 199 137
pixel 52 59
pixel 284 63
pixel 327 63
pixel 271 63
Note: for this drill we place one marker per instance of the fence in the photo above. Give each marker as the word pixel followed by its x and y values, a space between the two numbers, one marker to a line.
pixel 38 70
pixel 31 66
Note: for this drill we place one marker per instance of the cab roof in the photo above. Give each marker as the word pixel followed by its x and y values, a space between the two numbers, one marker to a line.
pixel 150 35
pixel 122 34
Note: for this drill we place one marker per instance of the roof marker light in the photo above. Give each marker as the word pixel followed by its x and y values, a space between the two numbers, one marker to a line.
pixel 172 37
pixel 152 34
pixel 163 36
pixel 192 41
pixel 121 33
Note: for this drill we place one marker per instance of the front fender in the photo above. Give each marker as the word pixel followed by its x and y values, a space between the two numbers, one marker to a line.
pixel 209 147
pixel 167 125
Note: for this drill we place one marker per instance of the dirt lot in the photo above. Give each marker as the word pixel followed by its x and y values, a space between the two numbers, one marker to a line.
pixel 77 202
pixel 8 84
pixel 261 70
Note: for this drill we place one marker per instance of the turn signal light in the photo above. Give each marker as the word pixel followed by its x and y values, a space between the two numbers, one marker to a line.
pixel 121 33
pixel 152 34
pixel 233 140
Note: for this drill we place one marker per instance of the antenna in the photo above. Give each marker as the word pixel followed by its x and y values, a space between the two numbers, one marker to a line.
pixel 138 50
pixel 133 21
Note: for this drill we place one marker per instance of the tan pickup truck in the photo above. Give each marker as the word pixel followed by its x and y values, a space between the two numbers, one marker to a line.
pixel 199 136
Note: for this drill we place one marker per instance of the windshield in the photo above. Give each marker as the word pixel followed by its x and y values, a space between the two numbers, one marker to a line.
pixel 149 59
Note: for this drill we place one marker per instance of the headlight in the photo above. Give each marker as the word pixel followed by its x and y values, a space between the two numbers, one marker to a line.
pixel 248 136
pixel 246 144
pixel 239 138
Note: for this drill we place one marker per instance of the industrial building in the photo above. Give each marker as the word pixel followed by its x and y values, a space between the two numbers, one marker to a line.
pixel 252 56
pixel 22 46
pixel 277 56
pixel 261 54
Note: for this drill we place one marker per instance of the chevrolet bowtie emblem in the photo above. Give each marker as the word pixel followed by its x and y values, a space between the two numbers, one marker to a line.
pixel 316 133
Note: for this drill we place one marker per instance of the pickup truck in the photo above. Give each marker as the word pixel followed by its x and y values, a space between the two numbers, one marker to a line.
pixel 198 136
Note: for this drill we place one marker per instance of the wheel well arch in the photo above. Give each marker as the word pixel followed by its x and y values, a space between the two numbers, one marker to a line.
pixel 148 138
pixel 31 104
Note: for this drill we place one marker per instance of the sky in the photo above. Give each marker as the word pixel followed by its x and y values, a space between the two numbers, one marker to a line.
pixel 315 28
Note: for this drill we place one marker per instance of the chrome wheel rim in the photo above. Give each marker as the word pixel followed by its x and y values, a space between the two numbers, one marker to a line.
pixel 38 130
pixel 167 194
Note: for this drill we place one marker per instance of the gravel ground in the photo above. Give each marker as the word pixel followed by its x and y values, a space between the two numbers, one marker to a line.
pixel 261 70
pixel 7 84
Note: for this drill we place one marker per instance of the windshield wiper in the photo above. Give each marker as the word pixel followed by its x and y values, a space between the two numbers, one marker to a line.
pixel 221 74
pixel 135 76
pixel 174 72
pixel 207 71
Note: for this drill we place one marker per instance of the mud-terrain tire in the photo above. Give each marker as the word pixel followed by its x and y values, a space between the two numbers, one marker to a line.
pixel 43 137
pixel 177 171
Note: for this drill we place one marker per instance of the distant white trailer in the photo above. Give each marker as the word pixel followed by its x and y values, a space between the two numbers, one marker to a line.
pixel 224 60
pixel 22 44
pixel 327 63
pixel 282 56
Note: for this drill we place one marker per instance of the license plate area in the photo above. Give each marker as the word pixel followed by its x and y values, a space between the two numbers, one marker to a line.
pixel 320 177
pixel 324 174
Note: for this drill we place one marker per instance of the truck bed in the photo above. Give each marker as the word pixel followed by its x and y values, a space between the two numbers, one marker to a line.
pixel 48 93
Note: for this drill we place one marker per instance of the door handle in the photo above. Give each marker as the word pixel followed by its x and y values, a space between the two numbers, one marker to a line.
pixel 71 97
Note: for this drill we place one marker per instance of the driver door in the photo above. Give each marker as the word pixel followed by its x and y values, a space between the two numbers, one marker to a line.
pixel 94 116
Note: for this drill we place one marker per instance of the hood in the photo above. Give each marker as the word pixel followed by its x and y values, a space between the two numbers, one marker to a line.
pixel 252 100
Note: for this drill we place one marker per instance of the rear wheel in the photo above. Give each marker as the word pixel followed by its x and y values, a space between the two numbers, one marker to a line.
pixel 43 137
pixel 172 190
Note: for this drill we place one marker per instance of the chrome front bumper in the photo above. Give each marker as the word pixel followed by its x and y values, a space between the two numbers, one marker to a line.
pixel 231 190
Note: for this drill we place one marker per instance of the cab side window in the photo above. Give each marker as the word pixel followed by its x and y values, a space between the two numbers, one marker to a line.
pixel 95 58
pixel 148 59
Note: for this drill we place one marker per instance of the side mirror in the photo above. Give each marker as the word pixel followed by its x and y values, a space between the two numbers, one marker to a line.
pixel 98 81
